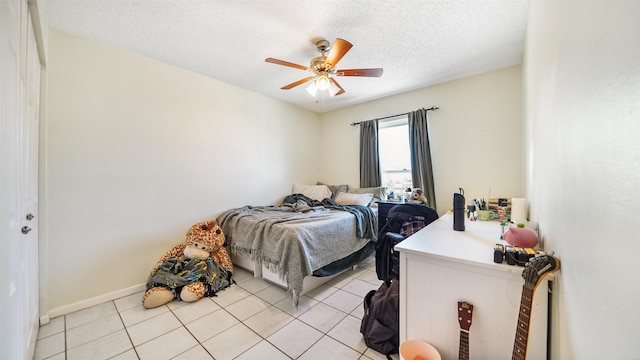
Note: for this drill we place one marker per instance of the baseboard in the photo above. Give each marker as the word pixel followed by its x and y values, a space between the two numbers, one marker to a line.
pixel 84 304
pixel 44 319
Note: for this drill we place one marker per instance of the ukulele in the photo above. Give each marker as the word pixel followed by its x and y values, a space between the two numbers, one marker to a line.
pixel 534 271
pixel 465 312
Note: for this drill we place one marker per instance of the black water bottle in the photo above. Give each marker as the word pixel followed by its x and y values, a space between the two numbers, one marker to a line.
pixel 458 210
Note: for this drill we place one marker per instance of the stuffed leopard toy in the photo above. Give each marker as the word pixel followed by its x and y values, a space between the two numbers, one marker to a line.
pixel 199 267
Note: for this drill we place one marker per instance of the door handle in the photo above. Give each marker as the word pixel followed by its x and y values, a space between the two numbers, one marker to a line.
pixel 30 216
pixel 26 229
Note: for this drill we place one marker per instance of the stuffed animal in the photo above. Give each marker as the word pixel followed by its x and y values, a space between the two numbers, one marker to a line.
pixel 196 268
pixel 417 197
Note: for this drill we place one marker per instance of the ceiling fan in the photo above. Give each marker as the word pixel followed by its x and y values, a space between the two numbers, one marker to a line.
pixel 325 65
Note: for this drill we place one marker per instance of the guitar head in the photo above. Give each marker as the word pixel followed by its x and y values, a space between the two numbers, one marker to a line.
pixel 465 312
pixel 537 268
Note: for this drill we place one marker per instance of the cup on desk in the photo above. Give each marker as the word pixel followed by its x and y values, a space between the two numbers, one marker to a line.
pixel 485 215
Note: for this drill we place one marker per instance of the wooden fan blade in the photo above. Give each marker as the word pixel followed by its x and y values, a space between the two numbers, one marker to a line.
pixel 338 85
pixel 377 72
pixel 299 82
pixel 339 48
pixel 285 63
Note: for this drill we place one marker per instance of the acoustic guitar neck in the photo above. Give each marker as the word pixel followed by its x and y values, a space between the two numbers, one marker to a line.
pixel 533 273
pixel 522 331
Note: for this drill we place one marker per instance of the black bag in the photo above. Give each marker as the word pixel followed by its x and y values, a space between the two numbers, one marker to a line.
pixel 386 258
pixel 380 325
pixel 403 220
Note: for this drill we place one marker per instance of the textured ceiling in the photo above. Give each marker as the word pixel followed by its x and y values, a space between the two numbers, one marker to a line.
pixel 418 43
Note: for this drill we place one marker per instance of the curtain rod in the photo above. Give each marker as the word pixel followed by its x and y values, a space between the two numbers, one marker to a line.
pixel 433 108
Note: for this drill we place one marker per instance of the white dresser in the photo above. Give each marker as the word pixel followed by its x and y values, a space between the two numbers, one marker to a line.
pixel 440 266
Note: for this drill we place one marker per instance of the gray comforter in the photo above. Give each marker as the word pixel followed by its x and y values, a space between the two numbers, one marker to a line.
pixel 298 237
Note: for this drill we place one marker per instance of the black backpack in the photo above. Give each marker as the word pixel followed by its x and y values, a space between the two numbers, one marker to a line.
pixel 401 214
pixel 380 325
pixel 402 221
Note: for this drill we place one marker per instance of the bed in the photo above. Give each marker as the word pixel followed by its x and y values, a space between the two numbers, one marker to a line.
pixel 301 240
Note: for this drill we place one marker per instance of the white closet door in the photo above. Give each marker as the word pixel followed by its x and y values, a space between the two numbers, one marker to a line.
pixel 28 186
pixel 19 123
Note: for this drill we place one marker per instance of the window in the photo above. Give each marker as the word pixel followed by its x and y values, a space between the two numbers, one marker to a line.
pixel 395 155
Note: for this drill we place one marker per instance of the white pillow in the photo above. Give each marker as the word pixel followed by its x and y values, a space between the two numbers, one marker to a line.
pixel 345 198
pixel 379 192
pixel 316 192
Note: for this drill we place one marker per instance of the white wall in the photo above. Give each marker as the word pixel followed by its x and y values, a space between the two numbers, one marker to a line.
pixel 582 76
pixel 475 136
pixel 137 151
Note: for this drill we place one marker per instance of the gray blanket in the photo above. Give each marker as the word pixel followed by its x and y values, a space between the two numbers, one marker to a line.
pixel 298 237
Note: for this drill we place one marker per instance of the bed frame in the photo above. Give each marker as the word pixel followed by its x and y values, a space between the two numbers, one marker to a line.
pixel 260 271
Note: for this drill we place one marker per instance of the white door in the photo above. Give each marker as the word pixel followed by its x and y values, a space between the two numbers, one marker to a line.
pixel 10 48
pixel 19 117
pixel 28 190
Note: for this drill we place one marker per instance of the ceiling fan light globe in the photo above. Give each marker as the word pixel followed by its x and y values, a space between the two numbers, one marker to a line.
pixel 322 82
pixel 312 89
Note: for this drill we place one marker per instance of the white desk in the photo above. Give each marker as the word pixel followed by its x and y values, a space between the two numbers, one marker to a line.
pixel 440 266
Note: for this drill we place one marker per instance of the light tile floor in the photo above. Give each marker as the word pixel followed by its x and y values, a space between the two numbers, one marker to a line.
pixel 252 319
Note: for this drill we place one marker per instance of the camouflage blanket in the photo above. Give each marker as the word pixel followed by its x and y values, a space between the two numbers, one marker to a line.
pixel 174 273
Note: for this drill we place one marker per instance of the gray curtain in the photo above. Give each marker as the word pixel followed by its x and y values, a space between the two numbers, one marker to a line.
pixel 421 168
pixel 369 158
